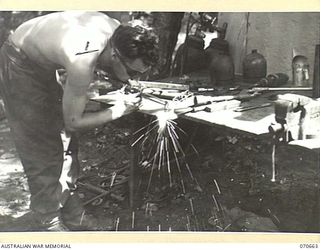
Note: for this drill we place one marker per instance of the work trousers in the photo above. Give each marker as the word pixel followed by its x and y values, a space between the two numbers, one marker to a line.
pixel 33 103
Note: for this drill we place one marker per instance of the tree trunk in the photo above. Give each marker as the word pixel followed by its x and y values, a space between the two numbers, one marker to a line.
pixel 167 25
pixel 5 17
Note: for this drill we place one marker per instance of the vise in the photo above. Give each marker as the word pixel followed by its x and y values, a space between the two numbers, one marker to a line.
pixel 297 117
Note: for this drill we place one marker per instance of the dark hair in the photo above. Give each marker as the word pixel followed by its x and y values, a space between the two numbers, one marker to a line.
pixel 137 42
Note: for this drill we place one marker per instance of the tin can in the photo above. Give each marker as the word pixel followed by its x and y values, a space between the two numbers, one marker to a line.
pixel 300 71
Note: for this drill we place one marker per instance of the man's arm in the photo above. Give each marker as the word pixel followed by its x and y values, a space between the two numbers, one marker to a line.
pixel 75 100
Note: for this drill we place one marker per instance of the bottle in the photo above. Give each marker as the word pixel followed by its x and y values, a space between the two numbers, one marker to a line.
pixel 254 67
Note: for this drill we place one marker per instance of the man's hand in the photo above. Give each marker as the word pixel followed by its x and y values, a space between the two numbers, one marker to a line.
pixel 128 104
pixel 133 99
pixel 132 102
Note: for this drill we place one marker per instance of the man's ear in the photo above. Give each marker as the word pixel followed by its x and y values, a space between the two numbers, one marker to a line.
pixel 114 55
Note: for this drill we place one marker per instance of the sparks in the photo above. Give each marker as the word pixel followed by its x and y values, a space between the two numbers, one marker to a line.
pixel 163 117
pixel 161 150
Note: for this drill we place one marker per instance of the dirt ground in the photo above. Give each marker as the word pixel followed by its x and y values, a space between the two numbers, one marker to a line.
pixel 230 187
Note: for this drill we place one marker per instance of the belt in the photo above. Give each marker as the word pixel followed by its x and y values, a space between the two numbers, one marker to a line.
pixel 17 55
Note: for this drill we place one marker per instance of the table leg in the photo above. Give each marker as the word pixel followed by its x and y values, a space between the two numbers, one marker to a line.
pixel 134 158
pixel 190 140
pixel 133 174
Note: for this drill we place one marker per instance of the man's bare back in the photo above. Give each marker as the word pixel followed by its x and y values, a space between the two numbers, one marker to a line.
pixel 62 38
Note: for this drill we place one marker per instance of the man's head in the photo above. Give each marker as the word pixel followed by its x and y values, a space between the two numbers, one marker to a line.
pixel 134 51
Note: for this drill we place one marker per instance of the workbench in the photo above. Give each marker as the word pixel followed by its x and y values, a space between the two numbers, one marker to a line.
pixel 253 122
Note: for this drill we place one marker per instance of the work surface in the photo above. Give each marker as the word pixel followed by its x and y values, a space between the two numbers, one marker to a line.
pixel 255 121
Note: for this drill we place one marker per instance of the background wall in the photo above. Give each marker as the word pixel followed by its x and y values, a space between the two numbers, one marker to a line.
pixel 276 35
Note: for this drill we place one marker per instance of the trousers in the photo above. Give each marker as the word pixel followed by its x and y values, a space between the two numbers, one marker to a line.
pixel 33 104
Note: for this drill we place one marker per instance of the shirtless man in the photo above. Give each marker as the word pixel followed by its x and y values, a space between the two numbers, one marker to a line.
pixel 38 109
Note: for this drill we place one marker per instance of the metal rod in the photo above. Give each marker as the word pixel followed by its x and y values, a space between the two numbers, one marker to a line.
pixel 215 182
pixel 164 85
pixel 154 98
pixel 132 222
pixel 82 216
pixel 273 159
pixel 191 205
pixel 215 201
pixel 282 89
pixel 117 223
pixel 188 223
pixel 242 109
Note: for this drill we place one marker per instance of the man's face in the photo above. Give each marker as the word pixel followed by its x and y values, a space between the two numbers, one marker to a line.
pixel 125 69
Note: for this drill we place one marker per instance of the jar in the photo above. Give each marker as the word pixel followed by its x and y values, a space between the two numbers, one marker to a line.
pixel 216 45
pixel 220 63
pixel 254 67
pixel 221 70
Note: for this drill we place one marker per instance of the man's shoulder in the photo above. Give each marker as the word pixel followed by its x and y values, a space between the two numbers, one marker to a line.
pixel 68 20
pixel 89 18
pixel 90 26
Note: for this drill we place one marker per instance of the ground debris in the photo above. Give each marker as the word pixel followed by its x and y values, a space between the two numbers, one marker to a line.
pixel 239 164
pixel 238 219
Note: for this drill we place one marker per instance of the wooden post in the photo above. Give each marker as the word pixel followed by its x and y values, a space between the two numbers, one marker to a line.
pixel 316 73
